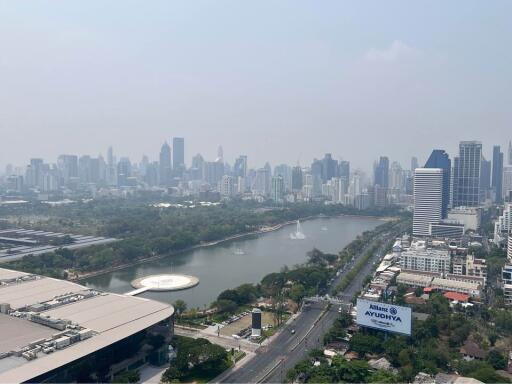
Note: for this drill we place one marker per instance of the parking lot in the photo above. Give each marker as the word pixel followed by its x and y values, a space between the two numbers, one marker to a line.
pixel 234 328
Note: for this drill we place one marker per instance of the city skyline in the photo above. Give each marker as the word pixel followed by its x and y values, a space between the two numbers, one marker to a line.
pixel 231 157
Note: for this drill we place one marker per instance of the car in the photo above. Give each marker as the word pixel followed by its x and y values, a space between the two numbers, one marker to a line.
pixel 293 331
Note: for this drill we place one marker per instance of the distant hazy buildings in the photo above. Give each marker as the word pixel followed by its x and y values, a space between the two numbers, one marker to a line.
pixel 227 186
pixel 329 167
pixel 165 165
pixel 240 167
pixel 316 173
pixel 485 177
pixel 507 183
pixel 261 185
pixel 510 153
pixel 178 157
pixel 277 189
pixel 381 173
pixel 497 174
pixel 414 163
pixel 297 179
pixel 428 198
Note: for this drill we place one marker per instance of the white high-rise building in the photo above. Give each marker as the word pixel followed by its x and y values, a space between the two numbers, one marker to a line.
pixel 507 182
pixel 503 224
pixel 277 189
pixel 506 274
pixel 227 186
pixel 509 248
pixel 428 197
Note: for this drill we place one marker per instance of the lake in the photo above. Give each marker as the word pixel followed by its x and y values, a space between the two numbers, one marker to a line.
pixel 223 266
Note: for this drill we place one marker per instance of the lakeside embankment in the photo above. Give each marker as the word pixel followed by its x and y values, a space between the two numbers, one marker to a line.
pixel 263 230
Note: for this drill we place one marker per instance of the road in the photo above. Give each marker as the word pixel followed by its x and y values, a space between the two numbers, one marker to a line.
pixel 271 363
pixel 224 341
pixel 267 356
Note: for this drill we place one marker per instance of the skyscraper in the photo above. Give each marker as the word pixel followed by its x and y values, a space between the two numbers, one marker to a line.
pixel 329 167
pixel 414 163
pixel 344 175
pixel 261 185
pixel 35 175
pixel 213 172
pixel 428 199
pixel 396 177
pixel 316 174
pixel 164 168
pixel 485 175
pixel 227 186
pixel 68 166
pixel 510 153
pixel 296 179
pixel 285 171
pixel 111 172
pixel 497 174
pixel 507 183
pixel 440 159
pixel 466 175
pixel 178 156
pixel 277 189
pixel 124 171
pixel 344 169
pixel 240 167
pixel 381 176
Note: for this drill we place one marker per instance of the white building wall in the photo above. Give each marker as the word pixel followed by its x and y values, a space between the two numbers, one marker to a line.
pixel 428 195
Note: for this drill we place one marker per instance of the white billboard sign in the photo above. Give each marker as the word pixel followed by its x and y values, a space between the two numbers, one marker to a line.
pixel 386 317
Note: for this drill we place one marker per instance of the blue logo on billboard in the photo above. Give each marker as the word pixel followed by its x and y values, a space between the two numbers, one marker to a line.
pixel 380 312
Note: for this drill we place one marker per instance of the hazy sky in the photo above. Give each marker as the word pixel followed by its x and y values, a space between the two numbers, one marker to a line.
pixel 277 80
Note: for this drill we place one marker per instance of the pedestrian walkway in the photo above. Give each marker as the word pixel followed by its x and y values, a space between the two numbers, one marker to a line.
pixel 151 375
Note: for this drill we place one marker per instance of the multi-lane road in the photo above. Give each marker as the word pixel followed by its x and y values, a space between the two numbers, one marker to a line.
pixel 270 363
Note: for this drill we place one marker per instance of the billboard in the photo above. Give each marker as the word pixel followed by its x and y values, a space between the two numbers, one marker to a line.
pixel 386 317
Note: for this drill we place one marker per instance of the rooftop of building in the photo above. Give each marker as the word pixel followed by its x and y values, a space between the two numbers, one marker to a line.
pixel 107 317
pixel 454 284
pixel 460 297
pixel 407 276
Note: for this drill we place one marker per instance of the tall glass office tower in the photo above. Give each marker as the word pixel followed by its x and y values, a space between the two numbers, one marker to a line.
pixel 467 191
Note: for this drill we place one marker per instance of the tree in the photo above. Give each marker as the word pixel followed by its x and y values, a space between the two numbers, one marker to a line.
pixel 363 344
pixel 480 370
pixel 487 375
pixel 493 337
pixel 213 360
pixel 229 294
pixel 228 306
pixel 180 306
pixel 355 371
pixel 297 292
pixel 171 374
pixel 496 359
pixel 131 376
pixel 383 376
